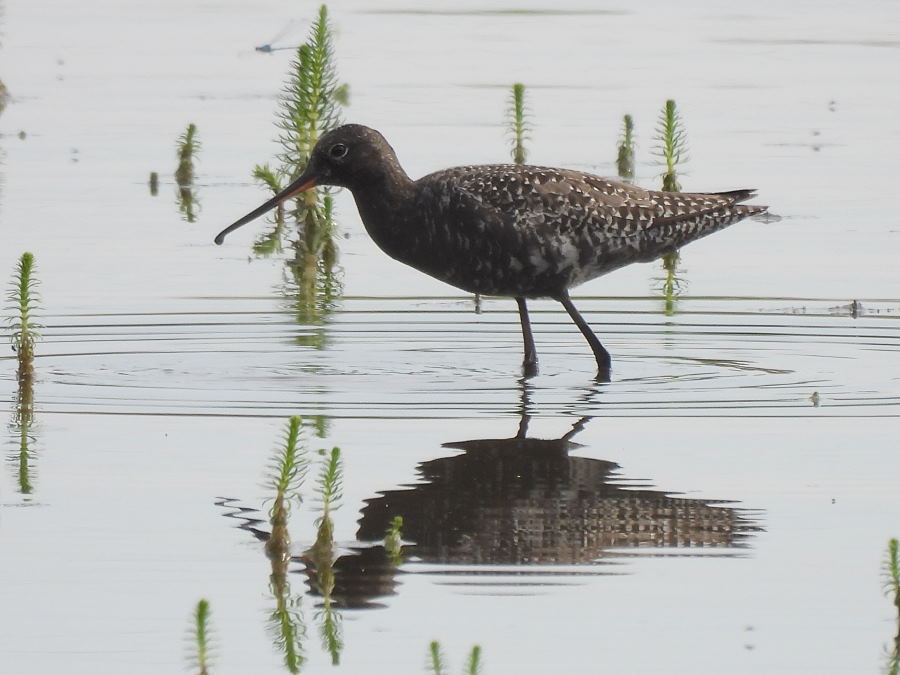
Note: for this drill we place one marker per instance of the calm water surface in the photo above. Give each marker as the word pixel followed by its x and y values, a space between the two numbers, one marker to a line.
pixel 722 505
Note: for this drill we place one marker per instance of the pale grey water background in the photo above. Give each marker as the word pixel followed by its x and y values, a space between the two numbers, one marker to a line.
pixel 168 365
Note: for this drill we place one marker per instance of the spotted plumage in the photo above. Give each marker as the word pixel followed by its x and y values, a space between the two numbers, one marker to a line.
pixel 508 229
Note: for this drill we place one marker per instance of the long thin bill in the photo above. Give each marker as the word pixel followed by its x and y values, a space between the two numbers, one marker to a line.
pixel 302 184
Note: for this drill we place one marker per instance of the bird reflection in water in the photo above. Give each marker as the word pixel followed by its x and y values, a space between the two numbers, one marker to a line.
pixel 522 500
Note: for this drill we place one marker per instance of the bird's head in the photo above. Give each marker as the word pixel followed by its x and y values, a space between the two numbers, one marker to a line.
pixel 349 156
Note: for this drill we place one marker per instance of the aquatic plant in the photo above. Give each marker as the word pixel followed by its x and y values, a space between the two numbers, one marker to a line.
pixel 287 470
pixel 672 146
pixel 201 637
pixel 4 96
pixel 436 660
pixel 891 572
pixel 517 122
pixel 323 556
pixel 473 665
pixel 309 102
pixel 188 204
pixel 314 283
pixel 393 541
pixel 625 154
pixel 330 480
pixel 24 298
pixel 269 242
pixel 186 148
pixel 330 625
pixel 286 625
pixel 893 662
pixel 309 106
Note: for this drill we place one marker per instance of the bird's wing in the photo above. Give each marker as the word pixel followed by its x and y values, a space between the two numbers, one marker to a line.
pixel 560 201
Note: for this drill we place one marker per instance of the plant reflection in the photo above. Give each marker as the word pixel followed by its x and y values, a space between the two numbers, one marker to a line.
pixel 287 623
pixel 673 285
pixel 22 427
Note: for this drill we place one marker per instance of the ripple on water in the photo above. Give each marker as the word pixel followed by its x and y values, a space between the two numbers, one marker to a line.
pixel 437 357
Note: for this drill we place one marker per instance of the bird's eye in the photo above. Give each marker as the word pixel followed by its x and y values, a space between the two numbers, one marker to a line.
pixel 338 150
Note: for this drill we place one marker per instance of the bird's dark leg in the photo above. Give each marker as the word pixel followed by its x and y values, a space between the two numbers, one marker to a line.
pixel 529 363
pixel 600 353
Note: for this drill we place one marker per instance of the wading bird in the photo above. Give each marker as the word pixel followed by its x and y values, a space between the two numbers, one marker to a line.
pixel 509 229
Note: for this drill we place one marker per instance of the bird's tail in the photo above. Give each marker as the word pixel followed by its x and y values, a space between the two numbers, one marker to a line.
pixel 671 232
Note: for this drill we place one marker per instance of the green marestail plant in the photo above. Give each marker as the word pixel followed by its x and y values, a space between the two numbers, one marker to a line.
pixel 308 107
pixel 270 242
pixel 287 628
pixel 286 473
pixel 625 154
pixel 672 147
pixel 331 478
pixel 517 122
pixel 288 467
pixel 473 665
pixel 201 638
pixel 891 572
pixel 188 146
pixel 323 554
pixel 436 660
pixel 24 300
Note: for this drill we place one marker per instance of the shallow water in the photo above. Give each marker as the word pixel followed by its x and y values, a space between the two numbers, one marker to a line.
pixel 723 504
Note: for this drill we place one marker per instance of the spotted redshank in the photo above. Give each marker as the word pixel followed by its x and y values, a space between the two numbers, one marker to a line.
pixel 509 229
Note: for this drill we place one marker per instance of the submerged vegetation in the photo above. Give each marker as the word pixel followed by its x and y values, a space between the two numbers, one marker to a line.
pixel 517 123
